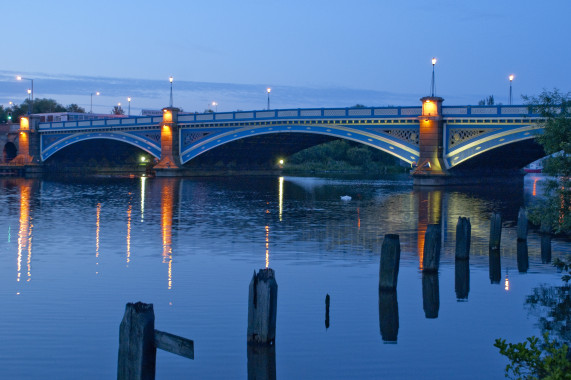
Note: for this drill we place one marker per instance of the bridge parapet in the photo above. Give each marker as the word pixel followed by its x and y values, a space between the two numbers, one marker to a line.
pixel 130 122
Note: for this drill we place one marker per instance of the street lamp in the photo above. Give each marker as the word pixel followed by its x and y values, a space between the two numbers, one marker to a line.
pixel 433 84
pixel 29 103
pixel 91 107
pixel 214 104
pixel 170 80
pixel 511 78
pixel 269 90
pixel 31 91
pixel 129 100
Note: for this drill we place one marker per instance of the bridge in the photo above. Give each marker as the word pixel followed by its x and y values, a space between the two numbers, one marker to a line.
pixel 445 144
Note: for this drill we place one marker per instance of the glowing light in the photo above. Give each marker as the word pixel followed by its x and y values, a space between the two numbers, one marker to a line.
pixel 433 61
pixel 143 182
pixel 507 283
pixel 267 246
pixel 171 79
pixel 269 90
pixel 281 162
pixel 24 123
pixel 166 224
pixel 25 232
pixel 143 159
pixel 535 187
pixel 97 228
pixel 511 77
pixel 281 196
pixel 129 210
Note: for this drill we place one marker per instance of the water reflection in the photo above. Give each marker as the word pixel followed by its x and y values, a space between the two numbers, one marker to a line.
pixel 462 279
pixel 495 268
pixel 522 256
pixel 388 315
pixel 167 204
pixel 25 231
pixel 430 295
pixel 97 229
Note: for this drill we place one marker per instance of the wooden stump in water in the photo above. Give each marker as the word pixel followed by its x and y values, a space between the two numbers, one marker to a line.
pixel 261 362
pixel 431 256
pixel 262 307
pixel 463 238
pixel 390 259
pixel 522 224
pixel 388 315
pixel 430 295
pixel 327 301
pixel 137 351
pixel 495 231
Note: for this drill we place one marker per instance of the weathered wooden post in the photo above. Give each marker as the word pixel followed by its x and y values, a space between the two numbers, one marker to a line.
pixel 261 362
pixel 463 238
pixel 431 256
pixel 262 307
pixel 390 260
pixel 430 294
pixel 545 231
pixel 522 256
pixel 495 231
pixel 137 351
pixel 495 266
pixel 388 315
pixel 138 343
pixel 462 279
pixel 521 224
pixel 327 301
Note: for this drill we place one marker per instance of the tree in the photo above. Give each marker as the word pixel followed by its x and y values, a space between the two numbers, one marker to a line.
pixel 489 101
pixel 117 110
pixel 554 107
pixel 75 108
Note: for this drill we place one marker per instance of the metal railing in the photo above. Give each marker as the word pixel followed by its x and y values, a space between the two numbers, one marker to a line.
pixel 299 113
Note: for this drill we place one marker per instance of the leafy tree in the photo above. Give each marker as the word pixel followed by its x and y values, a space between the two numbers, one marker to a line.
pixel 489 101
pixel 75 108
pixel 358 106
pixel 117 110
pixel 555 107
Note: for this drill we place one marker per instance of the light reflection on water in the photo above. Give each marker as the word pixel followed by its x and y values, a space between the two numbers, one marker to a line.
pixel 190 249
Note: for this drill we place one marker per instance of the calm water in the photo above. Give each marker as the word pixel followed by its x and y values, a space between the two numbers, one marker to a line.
pixel 74 252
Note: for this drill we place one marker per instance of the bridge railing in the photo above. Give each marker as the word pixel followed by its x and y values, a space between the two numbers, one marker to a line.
pixel 299 113
pixel 137 121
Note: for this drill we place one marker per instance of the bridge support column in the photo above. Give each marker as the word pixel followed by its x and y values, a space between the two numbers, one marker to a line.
pixel 430 169
pixel 28 145
pixel 169 165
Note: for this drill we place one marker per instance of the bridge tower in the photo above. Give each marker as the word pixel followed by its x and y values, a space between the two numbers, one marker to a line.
pixel 430 169
pixel 28 142
pixel 169 165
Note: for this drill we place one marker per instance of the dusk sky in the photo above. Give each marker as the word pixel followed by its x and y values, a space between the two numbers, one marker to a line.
pixel 313 53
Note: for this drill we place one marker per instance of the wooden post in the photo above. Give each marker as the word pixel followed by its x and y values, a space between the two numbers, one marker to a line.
pixel 327 301
pixel 430 295
pixel 522 256
pixel 545 231
pixel 137 351
pixel 390 259
pixel 462 279
pixel 495 267
pixel 463 238
pixel 431 256
pixel 521 224
pixel 261 362
pixel 495 231
pixel 262 307
pixel 388 315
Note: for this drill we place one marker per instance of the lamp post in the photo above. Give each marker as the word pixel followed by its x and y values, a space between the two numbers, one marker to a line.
pixel 269 90
pixel 31 91
pixel 129 100
pixel 91 105
pixel 215 105
pixel 433 84
pixel 511 78
pixel 170 80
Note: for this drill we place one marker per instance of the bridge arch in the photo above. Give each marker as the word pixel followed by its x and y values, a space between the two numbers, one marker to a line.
pixel 195 143
pixel 51 144
pixel 9 152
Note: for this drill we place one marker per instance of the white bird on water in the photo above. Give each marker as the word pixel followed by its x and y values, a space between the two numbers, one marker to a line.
pixel 345 198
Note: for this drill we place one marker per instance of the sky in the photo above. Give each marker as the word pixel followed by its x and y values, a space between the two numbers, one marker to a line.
pixel 312 53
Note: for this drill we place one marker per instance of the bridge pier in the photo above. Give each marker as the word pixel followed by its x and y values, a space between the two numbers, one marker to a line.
pixel 169 164
pixel 27 162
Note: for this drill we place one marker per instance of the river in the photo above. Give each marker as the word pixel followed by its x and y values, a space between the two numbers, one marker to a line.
pixel 73 252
